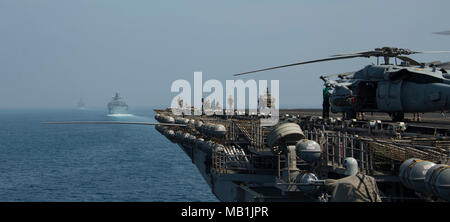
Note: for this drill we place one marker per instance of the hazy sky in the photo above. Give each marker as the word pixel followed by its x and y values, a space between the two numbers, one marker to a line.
pixel 54 52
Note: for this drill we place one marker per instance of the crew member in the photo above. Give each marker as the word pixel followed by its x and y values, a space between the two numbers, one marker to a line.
pixel 326 101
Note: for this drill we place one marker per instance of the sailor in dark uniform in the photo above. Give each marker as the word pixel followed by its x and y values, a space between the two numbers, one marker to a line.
pixel 326 101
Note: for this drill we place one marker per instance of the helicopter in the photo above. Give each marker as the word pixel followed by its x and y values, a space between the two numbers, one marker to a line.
pixel 396 89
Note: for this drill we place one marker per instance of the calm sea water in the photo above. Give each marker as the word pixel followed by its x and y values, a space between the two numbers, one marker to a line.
pixel 92 162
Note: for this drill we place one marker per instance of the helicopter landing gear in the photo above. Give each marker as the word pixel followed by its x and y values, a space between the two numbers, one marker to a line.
pixel 398 116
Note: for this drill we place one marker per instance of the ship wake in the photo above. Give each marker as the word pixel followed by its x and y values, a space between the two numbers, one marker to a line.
pixel 120 115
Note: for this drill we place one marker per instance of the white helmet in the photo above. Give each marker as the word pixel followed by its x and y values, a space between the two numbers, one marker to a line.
pixel 351 166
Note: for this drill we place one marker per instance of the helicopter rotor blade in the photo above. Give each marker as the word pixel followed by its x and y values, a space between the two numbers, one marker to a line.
pixel 114 122
pixel 300 63
pixel 361 53
pixel 389 52
pixel 431 52
pixel 385 52
pixel 407 59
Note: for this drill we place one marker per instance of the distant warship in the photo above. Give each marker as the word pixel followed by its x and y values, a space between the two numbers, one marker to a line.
pixel 117 106
pixel 81 104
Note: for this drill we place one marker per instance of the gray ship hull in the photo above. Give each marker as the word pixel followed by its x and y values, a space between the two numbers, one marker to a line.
pixel 118 110
pixel 235 187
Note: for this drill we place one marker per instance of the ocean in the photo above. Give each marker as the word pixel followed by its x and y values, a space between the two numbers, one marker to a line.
pixel 92 162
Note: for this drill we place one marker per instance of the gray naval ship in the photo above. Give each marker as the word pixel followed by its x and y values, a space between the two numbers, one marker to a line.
pixel 117 105
pixel 81 105
pixel 307 158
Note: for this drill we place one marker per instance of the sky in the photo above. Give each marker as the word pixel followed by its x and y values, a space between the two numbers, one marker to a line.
pixel 54 52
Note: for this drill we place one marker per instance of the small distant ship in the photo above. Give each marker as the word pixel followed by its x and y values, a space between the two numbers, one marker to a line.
pixel 81 105
pixel 117 105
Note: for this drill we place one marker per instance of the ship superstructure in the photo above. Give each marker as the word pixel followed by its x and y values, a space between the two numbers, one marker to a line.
pixel 117 105
pixel 81 105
